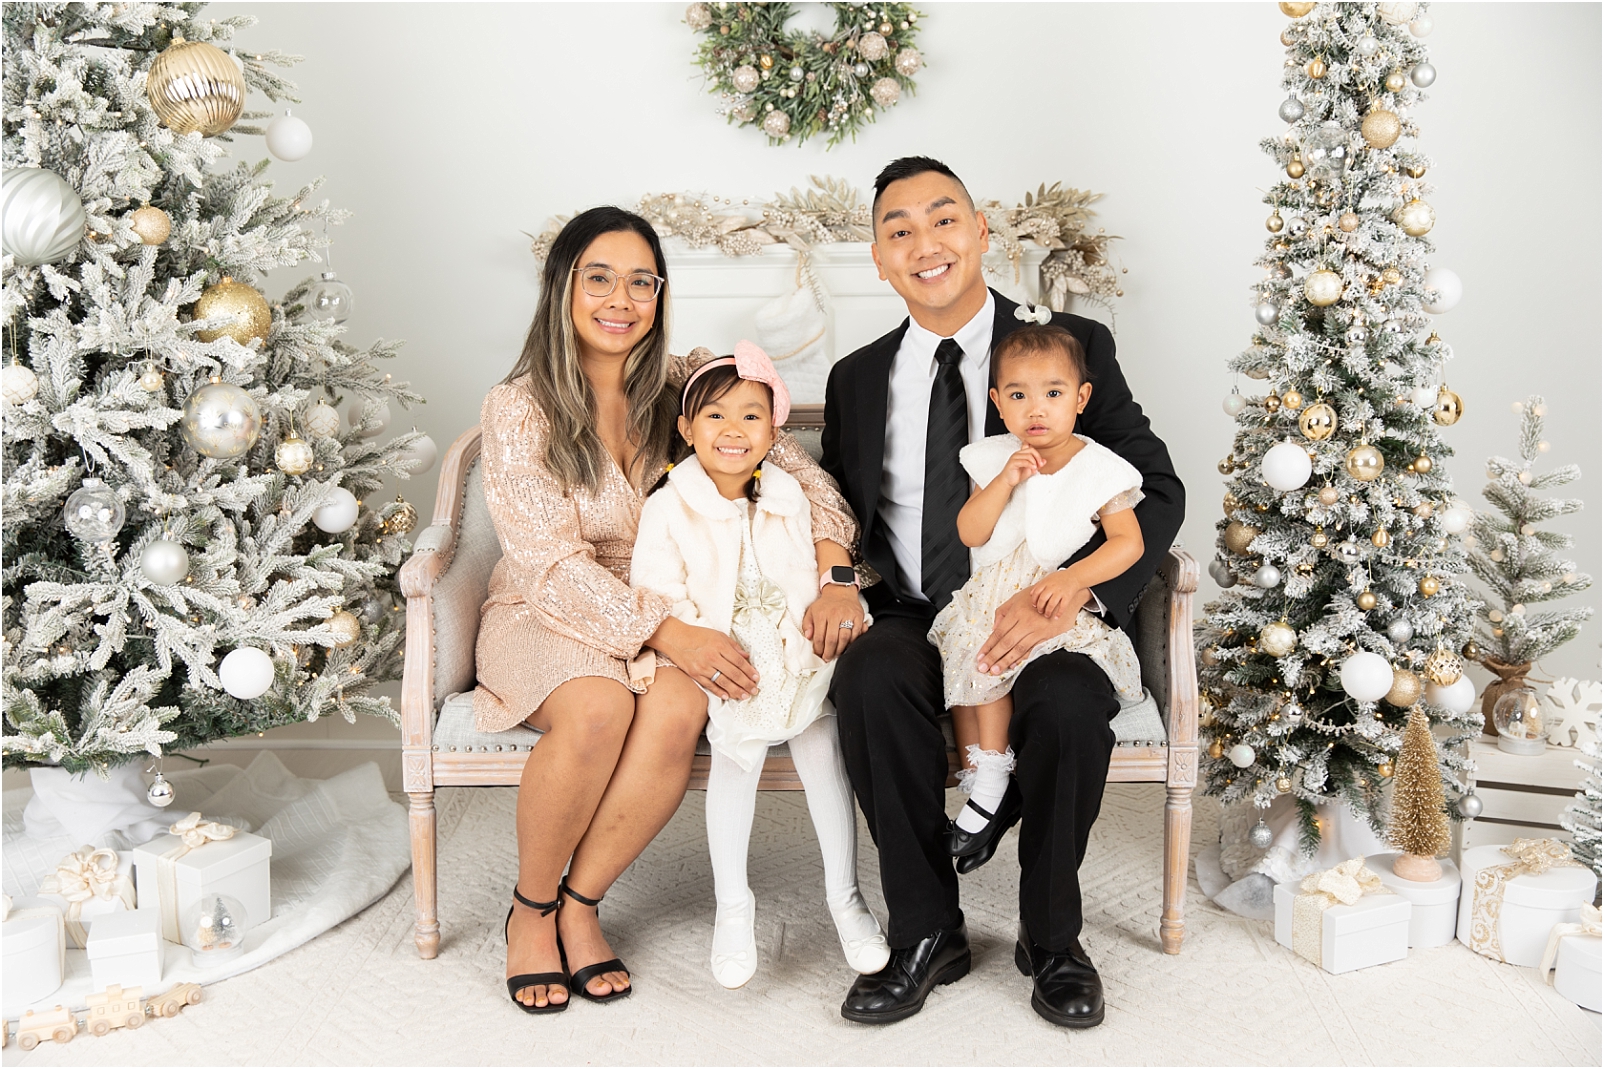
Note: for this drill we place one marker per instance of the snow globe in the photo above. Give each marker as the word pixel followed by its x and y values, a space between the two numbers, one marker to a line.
pixel 214 928
pixel 1518 717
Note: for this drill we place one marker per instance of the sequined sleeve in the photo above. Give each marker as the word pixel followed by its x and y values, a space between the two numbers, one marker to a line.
pixel 832 516
pixel 1125 499
pixel 553 568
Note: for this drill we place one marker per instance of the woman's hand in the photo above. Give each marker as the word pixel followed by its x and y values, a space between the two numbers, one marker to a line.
pixel 833 620
pixel 713 659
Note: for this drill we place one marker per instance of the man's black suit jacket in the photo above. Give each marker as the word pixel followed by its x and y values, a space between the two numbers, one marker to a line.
pixel 854 453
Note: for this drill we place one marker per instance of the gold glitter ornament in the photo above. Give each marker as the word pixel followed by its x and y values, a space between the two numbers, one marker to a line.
pixel 1295 168
pixel 1348 222
pixel 1380 128
pixel 195 87
pixel 250 316
pixel 150 225
pixel 346 627
pixel 1365 600
pixel 1442 668
pixel 1406 688
pixel 1448 409
pixel 1329 496
pixel 1364 463
pixel 1239 536
pixel 403 519
pixel 1391 276
pixel 1318 422
pixel 1429 586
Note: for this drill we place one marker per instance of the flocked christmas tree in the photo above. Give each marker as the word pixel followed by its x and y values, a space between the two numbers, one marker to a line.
pixel 185 554
pixel 1520 562
pixel 1581 817
pixel 1344 607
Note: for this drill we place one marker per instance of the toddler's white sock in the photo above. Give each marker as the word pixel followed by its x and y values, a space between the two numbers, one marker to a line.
pixel 986 788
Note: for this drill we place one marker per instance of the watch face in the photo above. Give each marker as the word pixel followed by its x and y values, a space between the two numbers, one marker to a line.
pixel 842 574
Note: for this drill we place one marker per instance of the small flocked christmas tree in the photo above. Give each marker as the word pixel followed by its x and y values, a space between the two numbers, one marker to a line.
pixel 1419 822
pixel 182 526
pixel 1343 607
pixel 1520 564
pixel 1581 817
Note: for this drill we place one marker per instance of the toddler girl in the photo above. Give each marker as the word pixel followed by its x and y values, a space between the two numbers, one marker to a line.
pixel 729 542
pixel 1042 490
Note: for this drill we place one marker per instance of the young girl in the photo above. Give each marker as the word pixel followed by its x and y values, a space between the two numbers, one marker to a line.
pixel 729 542
pixel 1042 491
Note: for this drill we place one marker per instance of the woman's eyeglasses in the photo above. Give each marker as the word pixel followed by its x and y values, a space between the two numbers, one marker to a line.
pixel 642 287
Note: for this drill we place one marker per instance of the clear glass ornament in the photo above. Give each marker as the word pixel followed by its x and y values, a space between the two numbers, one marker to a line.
pixel 1324 150
pixel 221 420
pixel 94 512
pixel 1518 717
pixel 214 928
pixel 330 299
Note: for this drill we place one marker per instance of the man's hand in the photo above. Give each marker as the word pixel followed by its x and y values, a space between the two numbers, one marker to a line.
pixel 1056 592
pixel 1018 628
pixel 833 620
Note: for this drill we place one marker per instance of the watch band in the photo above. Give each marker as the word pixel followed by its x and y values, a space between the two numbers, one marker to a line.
pixel 838 575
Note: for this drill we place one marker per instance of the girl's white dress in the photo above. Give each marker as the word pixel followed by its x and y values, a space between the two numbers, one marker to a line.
pixel 1047 519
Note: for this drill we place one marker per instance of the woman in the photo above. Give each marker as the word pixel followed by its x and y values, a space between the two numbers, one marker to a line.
pixel 574 439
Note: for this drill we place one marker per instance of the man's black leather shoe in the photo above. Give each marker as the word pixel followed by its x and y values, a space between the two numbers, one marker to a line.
pixel 899 990
pixel 974 849
pixel 1068 991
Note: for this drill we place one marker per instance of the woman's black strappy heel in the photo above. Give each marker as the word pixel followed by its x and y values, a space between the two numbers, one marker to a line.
pixel 517 983
pixel 581 978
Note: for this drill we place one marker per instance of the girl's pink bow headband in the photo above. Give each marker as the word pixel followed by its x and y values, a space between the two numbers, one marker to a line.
pixel 753 365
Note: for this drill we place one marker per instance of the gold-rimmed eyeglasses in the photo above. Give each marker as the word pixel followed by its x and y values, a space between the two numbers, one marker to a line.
pixel 642 287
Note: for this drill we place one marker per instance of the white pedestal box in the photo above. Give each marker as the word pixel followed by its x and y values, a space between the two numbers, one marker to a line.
pixel 127 949
pixel 1577 971
pixel 1372 931
pixel 32 952
pixel 238 867
pixel 1532 904
pixel 1434 913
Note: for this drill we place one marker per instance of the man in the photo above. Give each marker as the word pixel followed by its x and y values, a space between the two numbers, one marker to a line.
pixel 896 413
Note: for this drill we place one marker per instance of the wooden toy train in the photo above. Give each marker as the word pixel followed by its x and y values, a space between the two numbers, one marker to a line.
pixel 115 1007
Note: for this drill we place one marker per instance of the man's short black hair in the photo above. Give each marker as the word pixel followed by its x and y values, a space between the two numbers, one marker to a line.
pixel 910 167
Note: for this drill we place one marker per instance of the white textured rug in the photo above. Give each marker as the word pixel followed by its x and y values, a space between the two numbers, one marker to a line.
pixel 359 995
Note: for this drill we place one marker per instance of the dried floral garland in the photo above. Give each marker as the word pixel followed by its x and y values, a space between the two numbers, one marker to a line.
pixel 1055 218
pixel 794 84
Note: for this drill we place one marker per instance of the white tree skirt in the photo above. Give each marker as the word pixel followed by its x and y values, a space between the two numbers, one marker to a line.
pixel 338 846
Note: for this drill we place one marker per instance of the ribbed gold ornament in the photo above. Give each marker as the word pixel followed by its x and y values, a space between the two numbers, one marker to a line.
pixel 1442 668
pixel 195 87
pixel 151 225
pixel 252 318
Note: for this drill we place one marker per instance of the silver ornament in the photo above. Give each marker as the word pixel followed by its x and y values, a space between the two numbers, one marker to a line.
pixel 18 384
pixel 886 92
pixel 1291 109
pixel 861 70
pixel 164 562
pixel 94 512
pixel 160 792
pixel 1423 74
pixel 1470 805
pixel 1297 225
pixel 1259 836
pixel 1221 574
pixel 330 300
pixel 796 74
pixel 1291 712
pixel 1358 335
pixel 220 420
pixel 1266 313
pixel 42 219
pixel 1347 552
pixel 376 608
pixel 1368 45
pixel 1400 631
pixel 1267 577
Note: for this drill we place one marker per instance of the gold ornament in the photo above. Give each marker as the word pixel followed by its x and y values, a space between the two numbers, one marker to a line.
pixel 766 62
pixel 195 87
pixel 1319 540
pixel 1226 466
pixel 1295 167
pixel 1293 400
pixel 1216 748
pixel 1381 538
pixel 1316 68
pixel 150 225
pixel 1391 276
pixel 1415 170
pixel 1348 222
pixel 1442 668
pixel 403 519
pixel 1272 403
pixel 347 629
pixel 1295 9
pixel 1318 422
pixel 1429 586
pixel 1384 770
pixel 1380 128
pixel 1278 639
pixel 1329 496
pixel 1470 651
pixel 1365 600
pixel 1422 464
pixel 1239 536
pixel 1415 218
pixel 1449 408
pixel 1283 784
pixel 1405 690
pixel 1287 37
pixel 248 309
pixel 1364 462
pixel 1323 288
pixel 294 456
pixel 151 379
pixel 1275 222
pixel 1230 503
pixel 1395 82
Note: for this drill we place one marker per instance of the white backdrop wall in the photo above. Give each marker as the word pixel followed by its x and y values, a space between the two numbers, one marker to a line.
pixel 450 128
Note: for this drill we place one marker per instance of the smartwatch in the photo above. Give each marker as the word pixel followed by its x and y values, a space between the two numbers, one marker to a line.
pixel 838 575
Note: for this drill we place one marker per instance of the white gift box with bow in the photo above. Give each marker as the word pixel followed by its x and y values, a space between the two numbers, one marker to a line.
pixel 199 858
pixel 127 949
pixel 1576 954
pixel 1522 907
pixel 89 883
pixel 1359 923
pixel 33 947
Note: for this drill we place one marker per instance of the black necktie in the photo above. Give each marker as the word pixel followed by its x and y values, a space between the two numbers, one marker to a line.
pixel 944 559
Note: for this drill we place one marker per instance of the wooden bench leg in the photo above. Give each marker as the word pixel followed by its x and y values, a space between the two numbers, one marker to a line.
pixel 427 932
pixel 1177 845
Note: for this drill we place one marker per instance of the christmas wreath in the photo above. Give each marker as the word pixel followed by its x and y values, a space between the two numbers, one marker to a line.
pixel 799 84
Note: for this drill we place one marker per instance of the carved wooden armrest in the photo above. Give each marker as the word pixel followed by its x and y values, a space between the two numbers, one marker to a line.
pixel 431 555
pixel 1180 572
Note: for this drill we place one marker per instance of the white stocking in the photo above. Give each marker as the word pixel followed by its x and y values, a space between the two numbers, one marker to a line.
pixel 731 798
pixel 823 771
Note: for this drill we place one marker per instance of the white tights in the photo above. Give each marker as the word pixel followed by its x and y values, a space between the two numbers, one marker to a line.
pixel 731 799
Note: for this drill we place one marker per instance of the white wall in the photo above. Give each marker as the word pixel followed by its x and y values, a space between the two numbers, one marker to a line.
pixel 449 129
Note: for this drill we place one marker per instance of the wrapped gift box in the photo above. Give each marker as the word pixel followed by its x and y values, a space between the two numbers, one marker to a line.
pixel 1372 931
pixel 237 866
pixel 89 883
pixel 1434 907
pixel 1532 904
pixel 33 946
pixel 1577 970
pixel 126 949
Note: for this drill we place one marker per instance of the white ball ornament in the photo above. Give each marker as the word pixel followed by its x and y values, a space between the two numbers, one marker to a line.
pixel 42 218
pixel 1286 466
pixel 1267 577
pixel 1396 14
pixel 1456 520
pixel 381 418
pixel 421 455
pixel 1266 313
pixel 1421 26
pixel 289 138
pixel 323 421
pixel 1423 74
pixel 1448 289
pixel 1367 677
pixel 1241 755
pixel 1234 403
pixel 246 673
pixel 337 513
pixel 1457 697
pixel 1424 396
pixel 1323 288
pixel 1368 45
pixel 164 562
pixel 18 384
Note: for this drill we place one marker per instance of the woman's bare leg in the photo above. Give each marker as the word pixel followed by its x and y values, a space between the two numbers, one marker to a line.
pixel 585 721
pixel 647 787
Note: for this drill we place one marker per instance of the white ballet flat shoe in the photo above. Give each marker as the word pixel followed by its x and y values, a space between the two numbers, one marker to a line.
pixel 866 954
pixel 733 970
